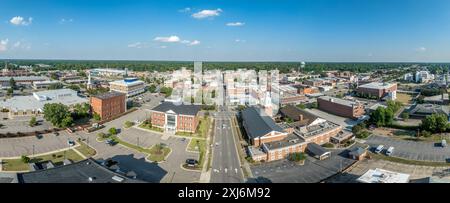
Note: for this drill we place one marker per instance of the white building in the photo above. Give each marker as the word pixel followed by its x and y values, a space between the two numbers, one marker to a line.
pixel 424 77
pixel 129 86
pixel 383 176
pixel 34 105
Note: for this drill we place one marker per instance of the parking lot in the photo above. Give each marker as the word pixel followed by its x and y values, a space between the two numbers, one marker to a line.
pixel 13 147
pixel 416 172
pixel 413 150
pixel 22 124
pixel 313 171
pixel 176 158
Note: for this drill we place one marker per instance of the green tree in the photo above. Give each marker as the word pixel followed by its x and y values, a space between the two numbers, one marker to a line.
pixel 112 131
pixel 58 114
pixel 405 116
pixel 152 88
pixel 33 121
pixel 388 116
pixel 378 117
pixel 12 83
pixel 74 87
pixel 96 117
pixel 167 91
pixel 301 106
pixel 10 91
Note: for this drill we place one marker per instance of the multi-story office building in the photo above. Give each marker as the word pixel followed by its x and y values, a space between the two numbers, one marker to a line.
pixel 340 107
pixel 128 86
pixel 109 105
pixel 175 117
pixel 379 90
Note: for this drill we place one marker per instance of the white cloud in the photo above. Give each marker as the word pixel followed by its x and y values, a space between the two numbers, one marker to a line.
pixel 185 10
pixel 137 45
pixel 207 14
pixel 193 43
pixel 64 21
pixel 240 40
pixel 163 47
pixel 4 45
pixel 21 44
pixel 19 20
pixel 176 39
pixel 172 38
pixel 17 44
pixel 421 49
pixel 235 24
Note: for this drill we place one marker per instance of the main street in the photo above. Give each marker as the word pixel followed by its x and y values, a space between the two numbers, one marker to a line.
pixel 226 167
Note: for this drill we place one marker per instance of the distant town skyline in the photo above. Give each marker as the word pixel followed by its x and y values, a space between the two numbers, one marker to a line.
pixel 227 30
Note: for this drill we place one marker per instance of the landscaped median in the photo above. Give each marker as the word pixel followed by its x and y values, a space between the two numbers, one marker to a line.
pixel 156 153
pixel 202 129
pixel 407 161
pixel 86 150
pixel 21 164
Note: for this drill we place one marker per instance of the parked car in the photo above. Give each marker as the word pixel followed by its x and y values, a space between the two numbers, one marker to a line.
pixel 444 143
pixel 379 149
pixel 38 136
pixel 389 151
pixel 110 142
pixel 71 143
pixel 191 162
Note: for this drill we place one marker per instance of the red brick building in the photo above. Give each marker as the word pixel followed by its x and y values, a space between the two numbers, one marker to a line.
pixel 340 107
pixel 378 90
pixel 108 105
pixel 173 117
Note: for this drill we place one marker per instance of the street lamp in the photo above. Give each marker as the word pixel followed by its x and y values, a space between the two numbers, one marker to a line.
pixel 33 150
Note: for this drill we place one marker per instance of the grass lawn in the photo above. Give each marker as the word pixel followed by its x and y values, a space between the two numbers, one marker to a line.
pixel 199 143
pixel 202 129
pixel 152 152
pixel 158 155
pixel 146 126
pixel 86 150
pixel 19 165
pixel 404 98
pixel 407 161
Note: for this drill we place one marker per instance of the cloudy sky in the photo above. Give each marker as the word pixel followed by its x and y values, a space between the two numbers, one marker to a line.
pixel 227 30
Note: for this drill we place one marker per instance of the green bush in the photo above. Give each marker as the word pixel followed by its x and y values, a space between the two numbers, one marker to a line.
pixel 328 145
pixel 297 156
pixel 25 159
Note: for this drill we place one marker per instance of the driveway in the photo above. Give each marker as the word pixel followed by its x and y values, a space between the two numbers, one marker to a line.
pixel 413 150
pixel 176 158
pixel 313 171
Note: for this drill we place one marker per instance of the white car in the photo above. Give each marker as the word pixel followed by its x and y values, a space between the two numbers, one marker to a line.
pixel 379 149
pixel 389 151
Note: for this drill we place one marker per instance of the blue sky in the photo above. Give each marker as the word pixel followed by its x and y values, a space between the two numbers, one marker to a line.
pixel 227 30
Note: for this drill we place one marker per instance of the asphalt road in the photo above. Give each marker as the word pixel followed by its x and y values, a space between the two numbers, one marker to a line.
pixel 225 164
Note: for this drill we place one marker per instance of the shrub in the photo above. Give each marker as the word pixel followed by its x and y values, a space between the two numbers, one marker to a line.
pixel 297 156
pixel 25 159
pixel 128 124
pixel 328 145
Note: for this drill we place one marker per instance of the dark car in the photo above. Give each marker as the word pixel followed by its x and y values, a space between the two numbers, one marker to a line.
pixel 191 162
pixel 111 142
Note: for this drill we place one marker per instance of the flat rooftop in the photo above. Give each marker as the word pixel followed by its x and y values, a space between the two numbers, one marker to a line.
pixel 339 101
pixel 86 171
pixel 24 78
pixel 290 140
pixel 39 99
pixel 314 130
pixel 108 95
pixel 128 82
pixel 383 176
pixel 377 85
